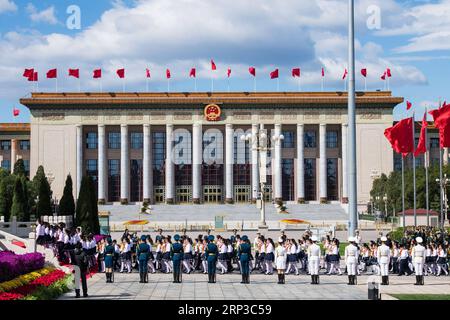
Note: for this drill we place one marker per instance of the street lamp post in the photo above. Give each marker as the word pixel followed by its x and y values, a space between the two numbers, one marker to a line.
pixel 259 143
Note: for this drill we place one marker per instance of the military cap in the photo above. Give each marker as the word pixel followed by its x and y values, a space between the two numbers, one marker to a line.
pixel 211 237
pixel 143 238
pixel 244 238
pixel 176 237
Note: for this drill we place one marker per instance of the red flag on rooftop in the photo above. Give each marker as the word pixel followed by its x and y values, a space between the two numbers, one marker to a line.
pixel 213 65
pixel 383 77
pixel 364 72
pixel 168 74
pixel 252 71
pixel 229 72
pixel 28 73
pixel 388 72
pixel 296 72
pixel 400 136
pixel 33 77
pixel 97 73
pixel 274 74
pixel 52 74
pixel 192 73
pixel 408 105
pixel 147 73
pixel 74 73
pixel 121 73
pixel 16 112
pixel 323 72
pixel 345 74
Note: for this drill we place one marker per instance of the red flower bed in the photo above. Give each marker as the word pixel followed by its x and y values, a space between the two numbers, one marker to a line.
pixel 10 296
pixel 49 279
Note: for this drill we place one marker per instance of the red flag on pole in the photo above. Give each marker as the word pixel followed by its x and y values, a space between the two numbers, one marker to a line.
pixel 345 74
pixel 388 72
pixel 167 73
pixel 192 73
pixel 252 71
pixel 33 77
pixel 121 73
pixel 422 145
pixel 97 73
pixel 441 118
pixel 296 72
pixel 52 74
pixel 323 72
pixel 147 73
pixel 74 73
pixel 400 136
pixel 408 105
pixel 364 72
pixel 229 72
pixel 16 112
pixel 274 74
pixel 213 65
pixel 383 77
pixel 28 73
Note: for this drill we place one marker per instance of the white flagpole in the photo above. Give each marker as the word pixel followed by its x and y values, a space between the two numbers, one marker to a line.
pixel 254 84
pixel 278 85
pixel 426 174
pixel 345 84
pixel 365 83
pixel 387 82
pixel 228 84
pixel 56 84
pixel 403 190
pixel 322 84
pixel 195 84
pixel 146 84
pixel 168 84
pixel 299 84
pixel 212 83
pixel 414 169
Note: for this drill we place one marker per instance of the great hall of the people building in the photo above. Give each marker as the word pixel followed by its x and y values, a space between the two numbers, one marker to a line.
pixel 188 147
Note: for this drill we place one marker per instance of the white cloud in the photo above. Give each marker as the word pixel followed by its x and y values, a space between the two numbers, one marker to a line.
pixel 7 5
pixel 46 15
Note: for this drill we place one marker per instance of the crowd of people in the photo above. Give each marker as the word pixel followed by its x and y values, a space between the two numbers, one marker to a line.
pixel 286 255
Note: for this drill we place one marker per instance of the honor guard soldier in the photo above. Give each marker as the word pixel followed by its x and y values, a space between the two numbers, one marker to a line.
pixel 109 260
pixel 244 251
pixel 418 258
pixel 176 254
pixel 280 260
pixel 351 260
pixel 314 260
pixel 211 256
pixel 143 253
pixel 384 257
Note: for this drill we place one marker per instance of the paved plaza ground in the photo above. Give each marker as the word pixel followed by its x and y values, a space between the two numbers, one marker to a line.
pixel 262 287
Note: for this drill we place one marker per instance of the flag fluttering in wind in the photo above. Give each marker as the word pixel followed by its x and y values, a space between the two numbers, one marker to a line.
pixel 16 112
pixel 192 73
pixel 74 73
pixel 34 77
pixel 52 74
pixel 97 73
pixel 252 71
pixel 121 73
pixel 28 73
pixel 323 72
pixel 422 145
pixel 388 72
pixel 364 72
pixel 408 105
pixel 147 73
pixel 168 75
pixel 383 76
pixel 441 118
pixel 345 74
pixel 296 72
pixel 400 136
pixel 229 72
pixel 213 65
pixel 274 74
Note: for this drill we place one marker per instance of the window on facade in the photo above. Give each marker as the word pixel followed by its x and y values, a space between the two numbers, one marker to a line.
pixel 434 142
pixel 397 162
pixel 332 139
pixel 114 140
pixel 136 185
pixel 288 179
pixel 332 179
pixel 137 140
pixel 310 139
pixel 5 145
pixel 241 151
pixel 113 180
pixel 289 139
pixel 26 164
pixel 310 179
pixel 6 164
pixel 91 140
pixel 212 174
pixel 24 144
pixel 159 155
pixel 92 169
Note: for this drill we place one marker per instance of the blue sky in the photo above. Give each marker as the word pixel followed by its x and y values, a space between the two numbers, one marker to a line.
pixel 410 37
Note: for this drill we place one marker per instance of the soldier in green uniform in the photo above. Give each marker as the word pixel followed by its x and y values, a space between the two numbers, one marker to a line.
pixel 211 256
pixel 143 253
pixel 109 260
pixel 244 251
pixel 176 254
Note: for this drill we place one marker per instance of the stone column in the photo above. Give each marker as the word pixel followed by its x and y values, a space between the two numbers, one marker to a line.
pixel 255 172
pixel 79 157
pixel 102 176
pixel 445 153
pixel 278 174
pixel 147 165
pixel 323 163
pixel 13 153
pixel 300 164
pixel 170 168
pixel 229 158
pixel 124 165
pixel 344 164
pixel 197 155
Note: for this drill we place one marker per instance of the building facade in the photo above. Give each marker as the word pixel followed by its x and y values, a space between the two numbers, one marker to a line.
pixel 188 147
pixel 14 145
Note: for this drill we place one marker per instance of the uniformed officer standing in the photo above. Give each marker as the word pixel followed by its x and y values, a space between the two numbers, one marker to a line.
pixel 211 256
pixel 143 253
pixel 244 251
pixel 351 260
pixel 109 260
pixel 314 260
pixel 176 254
pixel 418 258
pixel 384 257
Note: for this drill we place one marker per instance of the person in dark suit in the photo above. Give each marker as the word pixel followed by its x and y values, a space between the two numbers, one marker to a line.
pixel 211 256
pixel 143 254
pixel 109 261
pixel 244 251
pixel 82 261
pixel 176 254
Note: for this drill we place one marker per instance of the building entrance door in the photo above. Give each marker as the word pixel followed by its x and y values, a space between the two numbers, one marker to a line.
pixel 160 194
pixel 184 194
pixel 242 194
pixel 212 194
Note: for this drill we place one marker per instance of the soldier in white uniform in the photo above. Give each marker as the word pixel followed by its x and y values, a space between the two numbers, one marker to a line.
pixel 280 260
pixel 384 257
pixel 418 258
pixel 314 260
pixel 351 260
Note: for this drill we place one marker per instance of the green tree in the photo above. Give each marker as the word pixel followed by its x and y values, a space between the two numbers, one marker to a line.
pixel 87 209
pixel 19 168
pixel 7 182
pixel 67 203
pixel 44 192
pixel 18 204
